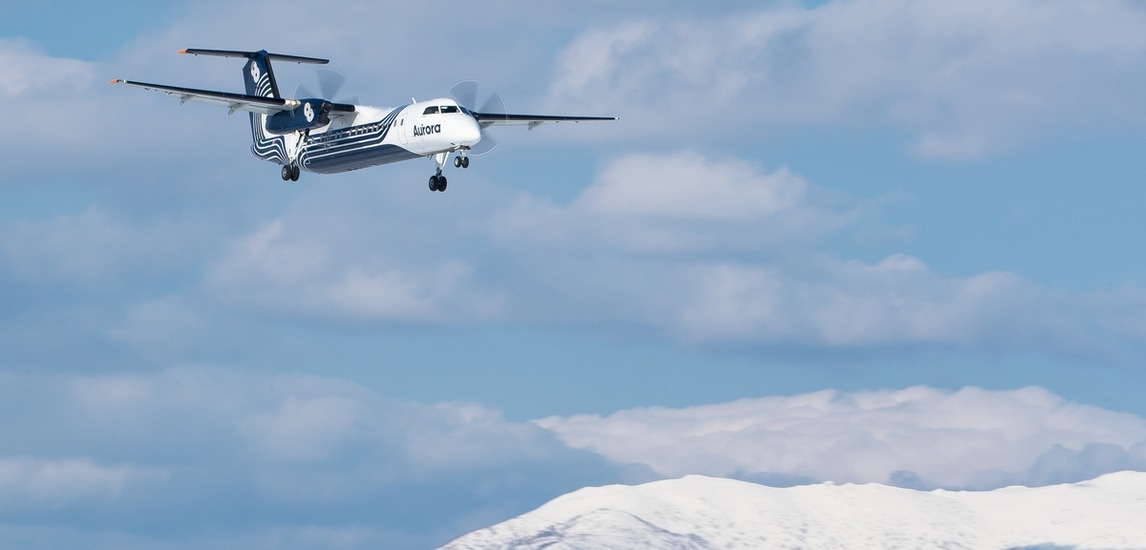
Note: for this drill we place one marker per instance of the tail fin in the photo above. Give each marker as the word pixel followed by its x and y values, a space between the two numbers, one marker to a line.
pixel 259 78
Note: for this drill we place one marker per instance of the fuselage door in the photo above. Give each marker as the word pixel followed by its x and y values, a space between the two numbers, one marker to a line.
pixel 403 128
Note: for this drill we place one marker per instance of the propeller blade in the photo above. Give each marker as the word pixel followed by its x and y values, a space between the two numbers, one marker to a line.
pixel 465 92
pixel 493 105
pixel 483 147
pixel 301 91
pixel 330 82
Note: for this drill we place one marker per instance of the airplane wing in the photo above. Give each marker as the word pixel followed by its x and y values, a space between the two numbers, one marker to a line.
pixel 505 119
pixel 234 102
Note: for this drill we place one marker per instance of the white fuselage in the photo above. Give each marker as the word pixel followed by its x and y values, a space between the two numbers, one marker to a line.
pixel 372 136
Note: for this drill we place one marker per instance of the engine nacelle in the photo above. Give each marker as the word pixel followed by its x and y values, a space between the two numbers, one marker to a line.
pixel 310 113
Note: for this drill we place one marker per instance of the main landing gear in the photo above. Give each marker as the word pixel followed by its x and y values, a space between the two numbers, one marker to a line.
pixel 291 172
pixel 438 181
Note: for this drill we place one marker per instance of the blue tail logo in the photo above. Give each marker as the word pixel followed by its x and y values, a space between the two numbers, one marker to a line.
pixel 259 77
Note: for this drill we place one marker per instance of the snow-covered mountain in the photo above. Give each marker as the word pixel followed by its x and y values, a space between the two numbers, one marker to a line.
pixel 697 512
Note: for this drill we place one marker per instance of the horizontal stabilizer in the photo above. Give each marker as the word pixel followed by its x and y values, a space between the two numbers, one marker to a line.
pixel 252 55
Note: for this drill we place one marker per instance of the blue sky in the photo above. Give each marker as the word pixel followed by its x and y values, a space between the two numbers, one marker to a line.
pixel 855 198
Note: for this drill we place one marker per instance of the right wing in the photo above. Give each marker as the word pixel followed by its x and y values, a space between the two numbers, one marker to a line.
pixel 234 102
pixel 505 119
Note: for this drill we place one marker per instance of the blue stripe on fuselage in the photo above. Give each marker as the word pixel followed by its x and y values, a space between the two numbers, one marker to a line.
pixel 353 147
pixel 360 157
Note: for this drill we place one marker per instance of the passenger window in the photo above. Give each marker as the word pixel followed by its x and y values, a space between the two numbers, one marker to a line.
pixel 430 110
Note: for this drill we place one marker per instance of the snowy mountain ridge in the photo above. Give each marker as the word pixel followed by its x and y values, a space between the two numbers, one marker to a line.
pixel 698 512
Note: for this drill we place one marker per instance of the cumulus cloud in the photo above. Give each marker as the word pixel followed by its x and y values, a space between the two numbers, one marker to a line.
pixel 704 248
pixel 50 94
pixel 682 202
pixel 54 483
pixel 919 437
pixel 97 245
pixel 897 300
pixel 104 449
pixel 965 79
pixel 364 469
pixel 721 251
pixel 301 264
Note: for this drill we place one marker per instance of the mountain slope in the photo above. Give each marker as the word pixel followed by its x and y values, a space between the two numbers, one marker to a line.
pixel 698 512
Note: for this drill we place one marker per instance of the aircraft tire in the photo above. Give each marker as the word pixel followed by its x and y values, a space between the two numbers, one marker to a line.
pixel 442 183
pixel 465 162
pixel 295 172
pixel 457 162
pixel 433 183
pixel 287 172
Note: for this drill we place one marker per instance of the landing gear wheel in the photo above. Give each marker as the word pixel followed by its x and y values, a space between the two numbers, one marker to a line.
pixel 287 172
pixel 458 162
pixel 295 172
pixel 441 183
pixel 465 162
pixel 433 183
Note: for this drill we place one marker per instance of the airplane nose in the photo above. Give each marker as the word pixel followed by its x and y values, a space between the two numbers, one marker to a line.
pixel 471 133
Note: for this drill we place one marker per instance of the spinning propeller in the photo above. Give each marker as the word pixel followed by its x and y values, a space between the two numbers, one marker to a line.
pixel 330 82
pixel 465 92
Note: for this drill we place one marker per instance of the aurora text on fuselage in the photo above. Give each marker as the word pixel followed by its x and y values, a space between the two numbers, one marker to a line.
pixel 427 129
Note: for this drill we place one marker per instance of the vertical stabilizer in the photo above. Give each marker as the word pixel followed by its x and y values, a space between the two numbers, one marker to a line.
pixel 259 77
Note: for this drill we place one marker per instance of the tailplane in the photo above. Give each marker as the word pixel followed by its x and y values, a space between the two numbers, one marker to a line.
pixel 258 74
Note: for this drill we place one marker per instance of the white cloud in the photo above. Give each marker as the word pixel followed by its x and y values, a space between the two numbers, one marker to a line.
pixel 47 98
pixel 53 483
pixel 705 248
pixel 160 328
pixel 964 79
pixel 844 304
pixel 270 448
pixel 919 436
pixel 718 251
pixel 98 245
pixel 307 429
pixel 297 267
pixel 682 202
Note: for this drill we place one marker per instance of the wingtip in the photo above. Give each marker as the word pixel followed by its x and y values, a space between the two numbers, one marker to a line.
pixel 182 52
pixel 115 81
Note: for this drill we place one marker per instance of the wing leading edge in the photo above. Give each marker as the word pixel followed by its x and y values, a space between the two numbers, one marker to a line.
pixel 505 119
pixel 233 102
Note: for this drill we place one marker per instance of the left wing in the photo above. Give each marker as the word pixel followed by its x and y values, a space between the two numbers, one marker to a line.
pixel 234 102
pixel 504 119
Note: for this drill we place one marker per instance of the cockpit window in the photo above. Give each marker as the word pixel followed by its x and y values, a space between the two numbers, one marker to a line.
pixel 447 109
pixel 431 110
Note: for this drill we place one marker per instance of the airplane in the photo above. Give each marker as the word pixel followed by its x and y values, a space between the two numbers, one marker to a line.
pixel 321 136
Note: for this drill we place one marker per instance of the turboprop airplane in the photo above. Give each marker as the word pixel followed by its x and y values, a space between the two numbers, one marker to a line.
pixel 321 136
